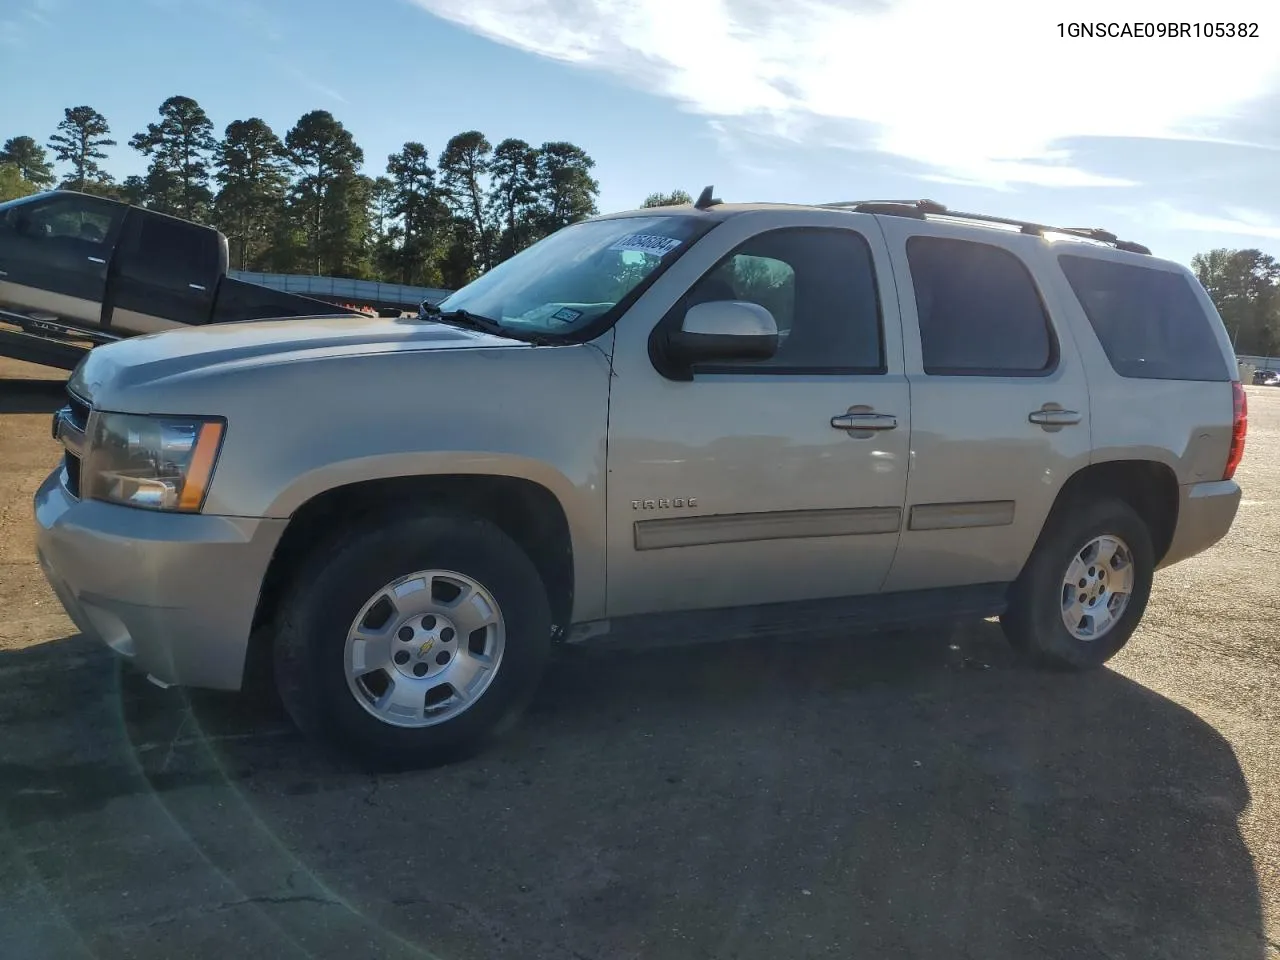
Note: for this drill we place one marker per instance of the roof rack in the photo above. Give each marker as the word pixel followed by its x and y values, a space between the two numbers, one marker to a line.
pixel 922 209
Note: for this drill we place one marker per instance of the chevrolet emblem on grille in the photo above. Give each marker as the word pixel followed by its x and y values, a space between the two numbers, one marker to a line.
pixel 57 420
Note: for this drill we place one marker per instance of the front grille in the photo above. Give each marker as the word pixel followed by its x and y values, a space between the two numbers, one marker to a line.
pixel 79 410
pixel 71 473
pixel 76 417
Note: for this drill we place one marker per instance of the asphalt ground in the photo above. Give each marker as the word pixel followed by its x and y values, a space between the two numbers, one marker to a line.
pixel 912 794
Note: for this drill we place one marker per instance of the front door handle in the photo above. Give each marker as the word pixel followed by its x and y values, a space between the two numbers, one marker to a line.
pixel 864 421
pixel 1054 417
pixel 96 260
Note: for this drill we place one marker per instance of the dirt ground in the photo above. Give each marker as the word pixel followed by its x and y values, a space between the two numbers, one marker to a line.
pixel 904 795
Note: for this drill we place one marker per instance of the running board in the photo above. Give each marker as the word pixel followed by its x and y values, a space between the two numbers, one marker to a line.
pixel 56 329
pixel 867 613
pixel 40 350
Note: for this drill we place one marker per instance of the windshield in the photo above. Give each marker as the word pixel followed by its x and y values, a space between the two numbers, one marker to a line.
pixel 577 275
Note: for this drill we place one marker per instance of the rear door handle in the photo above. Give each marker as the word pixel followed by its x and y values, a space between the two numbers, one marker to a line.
pixel 1054 417
pixel 864 421
pixel 96 260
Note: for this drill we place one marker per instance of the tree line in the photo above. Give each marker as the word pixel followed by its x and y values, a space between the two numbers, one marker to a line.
pixel 300 203
pixel 1245 287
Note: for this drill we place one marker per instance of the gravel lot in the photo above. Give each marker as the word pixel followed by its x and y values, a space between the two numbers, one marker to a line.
pixel 904 795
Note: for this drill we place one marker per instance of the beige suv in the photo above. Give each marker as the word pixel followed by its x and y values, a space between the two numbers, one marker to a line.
pixel 729 418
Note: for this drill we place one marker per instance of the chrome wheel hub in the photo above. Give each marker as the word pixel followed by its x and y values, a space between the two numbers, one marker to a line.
pixel 424 648
pixel 1096 587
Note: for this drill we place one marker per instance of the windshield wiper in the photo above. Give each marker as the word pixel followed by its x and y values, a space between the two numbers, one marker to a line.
pixel 473 321
pixel 464 318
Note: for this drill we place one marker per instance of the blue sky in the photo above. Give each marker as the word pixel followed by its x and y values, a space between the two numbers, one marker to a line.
pixel 980 104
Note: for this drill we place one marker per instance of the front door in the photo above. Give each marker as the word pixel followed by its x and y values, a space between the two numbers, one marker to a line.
pixel 54 254
pixel 999 401
pixel 769 481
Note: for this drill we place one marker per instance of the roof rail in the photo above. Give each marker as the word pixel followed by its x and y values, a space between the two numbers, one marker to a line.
pixel 922 209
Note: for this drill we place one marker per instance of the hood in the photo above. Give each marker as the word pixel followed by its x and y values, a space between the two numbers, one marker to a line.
pixel 172 353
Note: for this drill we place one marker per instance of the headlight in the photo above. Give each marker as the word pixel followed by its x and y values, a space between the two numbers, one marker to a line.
pixel 160 463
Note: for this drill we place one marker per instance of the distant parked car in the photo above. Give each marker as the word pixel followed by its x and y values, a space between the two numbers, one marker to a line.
pixel 1266 378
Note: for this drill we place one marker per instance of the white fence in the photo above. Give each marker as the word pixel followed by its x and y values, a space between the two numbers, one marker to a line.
pixel 340 288
pixel 1262 363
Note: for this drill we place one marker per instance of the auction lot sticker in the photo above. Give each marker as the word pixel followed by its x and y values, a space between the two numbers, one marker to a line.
pixel 649 243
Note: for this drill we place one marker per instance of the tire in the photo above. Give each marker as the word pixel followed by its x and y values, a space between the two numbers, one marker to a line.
pixel 341 579
pixel 1035 622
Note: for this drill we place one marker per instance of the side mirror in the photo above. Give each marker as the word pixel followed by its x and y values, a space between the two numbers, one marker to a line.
pixel 723 330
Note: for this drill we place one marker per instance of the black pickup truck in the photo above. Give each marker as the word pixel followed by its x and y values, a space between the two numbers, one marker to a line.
pixel 78 270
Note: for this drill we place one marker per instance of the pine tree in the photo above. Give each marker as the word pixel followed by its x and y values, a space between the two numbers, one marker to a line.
pixel 30 159
pixel 81 136
pixel 252 171
pixel 180 147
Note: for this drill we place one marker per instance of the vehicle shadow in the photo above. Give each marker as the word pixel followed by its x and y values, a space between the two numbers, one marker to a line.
pixel 902 795
pixel 31 396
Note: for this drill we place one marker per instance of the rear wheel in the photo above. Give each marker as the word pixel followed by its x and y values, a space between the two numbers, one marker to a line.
pixel 1084 588
pixel 414 640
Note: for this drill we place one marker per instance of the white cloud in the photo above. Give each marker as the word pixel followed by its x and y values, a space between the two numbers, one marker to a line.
pixel 314 85
pixel 13 31
pixel 1233 220
pixel 981 91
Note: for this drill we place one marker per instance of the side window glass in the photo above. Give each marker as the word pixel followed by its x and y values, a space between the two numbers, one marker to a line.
pixel 170 253
pixel 1149 321
pixel 980 313
pixel 12 218
pixel 820 286
pixel 67 219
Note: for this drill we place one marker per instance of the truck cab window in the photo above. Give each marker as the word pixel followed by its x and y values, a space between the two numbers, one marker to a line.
pixel 170 253
pixel 63 219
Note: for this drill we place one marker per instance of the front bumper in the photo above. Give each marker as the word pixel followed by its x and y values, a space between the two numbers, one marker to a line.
pixel 174 593
pixel 1205 514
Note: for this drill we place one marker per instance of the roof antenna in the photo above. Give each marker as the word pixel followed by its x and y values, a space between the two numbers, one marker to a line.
pixel 705 199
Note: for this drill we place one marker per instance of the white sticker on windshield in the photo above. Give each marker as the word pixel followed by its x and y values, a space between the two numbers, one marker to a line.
pixel 650 243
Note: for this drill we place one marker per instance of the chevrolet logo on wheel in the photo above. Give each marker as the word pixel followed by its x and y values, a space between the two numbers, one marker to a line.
pixel 425 648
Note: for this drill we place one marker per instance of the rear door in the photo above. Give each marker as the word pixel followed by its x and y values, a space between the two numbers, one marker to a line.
pixel 166 274
pixel 54 254
pixel 999 401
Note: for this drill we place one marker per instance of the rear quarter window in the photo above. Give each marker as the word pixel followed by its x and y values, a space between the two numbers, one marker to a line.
pixel 1150 322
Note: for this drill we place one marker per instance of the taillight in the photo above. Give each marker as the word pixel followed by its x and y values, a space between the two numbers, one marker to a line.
pixel 1239 427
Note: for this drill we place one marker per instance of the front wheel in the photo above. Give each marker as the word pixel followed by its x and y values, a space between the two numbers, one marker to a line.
pixel 1085 587
pixel 414 640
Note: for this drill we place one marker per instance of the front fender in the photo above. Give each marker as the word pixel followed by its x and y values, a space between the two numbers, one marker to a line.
pixel 424 464
pixel 536 414
pixel 581 502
